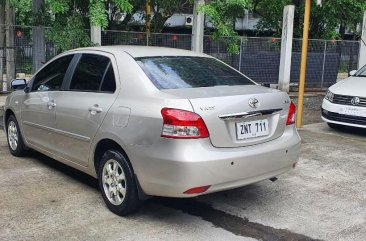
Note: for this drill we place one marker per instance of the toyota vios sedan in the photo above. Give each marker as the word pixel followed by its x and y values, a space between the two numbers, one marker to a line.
pixel 149 121
pixel 345 102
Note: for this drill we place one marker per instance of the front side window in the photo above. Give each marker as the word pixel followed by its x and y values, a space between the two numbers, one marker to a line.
pixel 93 73
pixel 361 72
pixel 189 72
pixel 51 76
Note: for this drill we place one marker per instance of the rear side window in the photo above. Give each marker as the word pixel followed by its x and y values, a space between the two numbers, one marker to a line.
pixel 109 83
pixel 189 72
pixel 93 73
pixel 51 76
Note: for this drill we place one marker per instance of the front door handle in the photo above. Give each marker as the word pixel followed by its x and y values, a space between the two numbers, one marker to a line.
pixel 51 104
pixel 95 109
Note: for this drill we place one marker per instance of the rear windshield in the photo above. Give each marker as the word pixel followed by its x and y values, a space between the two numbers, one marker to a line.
pixel 189 72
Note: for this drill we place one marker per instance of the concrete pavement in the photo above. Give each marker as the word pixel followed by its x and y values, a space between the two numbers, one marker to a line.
pixel 323 198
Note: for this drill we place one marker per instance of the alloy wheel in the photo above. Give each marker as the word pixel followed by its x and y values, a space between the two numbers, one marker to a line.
pixel 13 135
pixel 114 182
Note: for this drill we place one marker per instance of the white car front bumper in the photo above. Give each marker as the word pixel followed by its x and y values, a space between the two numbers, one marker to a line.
pixel 347 115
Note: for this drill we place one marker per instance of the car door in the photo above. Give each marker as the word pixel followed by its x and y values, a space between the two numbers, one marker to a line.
pixel 81 109
pixel 38 110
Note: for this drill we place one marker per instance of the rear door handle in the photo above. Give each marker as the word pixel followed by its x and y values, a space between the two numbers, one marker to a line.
pixel 95 109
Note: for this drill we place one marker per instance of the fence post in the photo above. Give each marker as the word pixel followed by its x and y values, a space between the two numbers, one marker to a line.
pixel 9 42
pixel 324 56
pixel 240 53
pixel 362 58
pixel 96 35
pixel 2 41
pixel 38 37
pixel 286 48
pixel 197 28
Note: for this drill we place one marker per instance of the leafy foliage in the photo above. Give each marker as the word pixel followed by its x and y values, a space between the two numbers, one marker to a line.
pixel 23 9
pixel 164 9
pixel 69 34
pixel 67 19
pixel 98 12
pixel 222 14
pixel 327 21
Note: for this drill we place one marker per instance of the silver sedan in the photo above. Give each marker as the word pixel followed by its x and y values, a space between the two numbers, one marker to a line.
pixel 149 121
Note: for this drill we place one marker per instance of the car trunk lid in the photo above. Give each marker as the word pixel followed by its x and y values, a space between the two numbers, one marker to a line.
pixel 239 116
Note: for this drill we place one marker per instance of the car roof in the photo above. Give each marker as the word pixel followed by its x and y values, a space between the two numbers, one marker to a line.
pixel 144 51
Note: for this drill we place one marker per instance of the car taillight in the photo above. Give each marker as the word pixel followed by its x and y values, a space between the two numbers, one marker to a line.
pixel 182 124
pixel 291 114
pixel 197 190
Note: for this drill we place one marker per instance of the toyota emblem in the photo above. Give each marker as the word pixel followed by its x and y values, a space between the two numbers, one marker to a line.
pixel 355 101
pixel 254 103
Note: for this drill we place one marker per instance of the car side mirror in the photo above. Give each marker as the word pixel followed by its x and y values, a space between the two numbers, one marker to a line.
pixel 352 73
pixel 18 84
pixel 26 89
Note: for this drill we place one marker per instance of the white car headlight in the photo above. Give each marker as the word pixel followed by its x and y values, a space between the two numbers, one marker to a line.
pixel 329 96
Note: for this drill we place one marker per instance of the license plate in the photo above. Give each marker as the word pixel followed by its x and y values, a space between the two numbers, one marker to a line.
pixel 353 112
pixel 252 129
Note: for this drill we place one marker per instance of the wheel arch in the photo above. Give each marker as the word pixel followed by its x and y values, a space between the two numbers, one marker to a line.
pixel 8 113
pixel 106 144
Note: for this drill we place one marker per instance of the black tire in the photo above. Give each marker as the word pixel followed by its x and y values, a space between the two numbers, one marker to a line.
pixel 19 148
pixel 130 202
pixel 335 126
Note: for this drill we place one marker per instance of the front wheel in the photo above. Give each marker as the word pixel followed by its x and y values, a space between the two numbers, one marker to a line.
pixel 117 183
pixel 14 136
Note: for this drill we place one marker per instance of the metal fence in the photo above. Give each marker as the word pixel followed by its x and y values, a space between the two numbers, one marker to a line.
pixel 259 57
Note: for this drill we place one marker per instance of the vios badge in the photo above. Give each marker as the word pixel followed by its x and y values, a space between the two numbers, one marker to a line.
pixel 355 101
pixel 254 103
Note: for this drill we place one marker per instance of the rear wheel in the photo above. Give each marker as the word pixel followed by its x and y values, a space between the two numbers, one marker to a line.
pixel 117 183
pixel 14 137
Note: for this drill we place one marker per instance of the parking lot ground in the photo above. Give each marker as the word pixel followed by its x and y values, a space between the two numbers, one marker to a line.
pixel 323 198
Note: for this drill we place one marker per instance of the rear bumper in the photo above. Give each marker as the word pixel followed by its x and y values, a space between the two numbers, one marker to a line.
pixel 171 167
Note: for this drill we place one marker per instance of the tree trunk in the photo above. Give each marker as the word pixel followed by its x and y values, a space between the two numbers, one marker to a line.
pixel 2 40
pixel 9 38
pixel 38 48
pixel 297 19
pixel 342 29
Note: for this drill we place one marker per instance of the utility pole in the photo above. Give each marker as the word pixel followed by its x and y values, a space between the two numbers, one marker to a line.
pixel 304 57
pixel 148 21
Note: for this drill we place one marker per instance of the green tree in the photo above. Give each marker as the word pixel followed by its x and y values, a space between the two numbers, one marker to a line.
pixel 67 19
pixel 223 14
pixel 327 21
pixel 164 9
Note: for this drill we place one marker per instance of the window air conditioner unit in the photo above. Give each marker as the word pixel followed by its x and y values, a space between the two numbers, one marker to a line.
pixel 189 20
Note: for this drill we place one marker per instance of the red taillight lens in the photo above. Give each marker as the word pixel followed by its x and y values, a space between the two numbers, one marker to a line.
pixel 197 190
pixel 182 124
pixel 291 114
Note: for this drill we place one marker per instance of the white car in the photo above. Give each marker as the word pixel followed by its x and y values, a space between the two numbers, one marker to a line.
pixel 345 101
